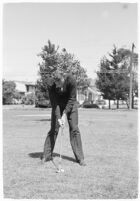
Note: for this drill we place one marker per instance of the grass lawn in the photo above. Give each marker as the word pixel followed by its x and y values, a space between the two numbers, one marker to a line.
pixel 110 143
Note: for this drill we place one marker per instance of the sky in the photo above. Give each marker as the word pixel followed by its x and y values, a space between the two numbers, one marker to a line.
pixel 87 30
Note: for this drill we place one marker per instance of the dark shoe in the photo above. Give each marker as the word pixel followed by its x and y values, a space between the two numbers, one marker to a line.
pixel 82 163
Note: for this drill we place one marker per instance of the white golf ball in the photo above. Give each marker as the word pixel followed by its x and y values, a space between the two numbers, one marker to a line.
pixel 62 170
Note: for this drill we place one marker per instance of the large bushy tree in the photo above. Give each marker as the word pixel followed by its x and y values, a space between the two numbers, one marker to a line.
pixel 105 81
pixel 41 94
pixel 125 55
pixel 113 77
pixel 54 62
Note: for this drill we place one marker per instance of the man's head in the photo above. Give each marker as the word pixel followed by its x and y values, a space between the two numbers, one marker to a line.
pixel 60 79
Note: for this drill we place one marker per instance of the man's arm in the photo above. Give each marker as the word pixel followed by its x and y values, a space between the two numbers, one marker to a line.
pixel 71 95
pixel 53 100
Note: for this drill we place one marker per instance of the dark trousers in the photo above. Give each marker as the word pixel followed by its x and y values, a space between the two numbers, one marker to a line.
pixel 75 137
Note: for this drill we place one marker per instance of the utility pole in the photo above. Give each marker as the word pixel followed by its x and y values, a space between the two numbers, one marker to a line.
pixel 131 78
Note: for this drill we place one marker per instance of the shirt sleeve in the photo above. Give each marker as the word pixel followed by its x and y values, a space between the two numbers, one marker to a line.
pixel 71 95
pixel 57 112
pixel 53 100
pixel 51 91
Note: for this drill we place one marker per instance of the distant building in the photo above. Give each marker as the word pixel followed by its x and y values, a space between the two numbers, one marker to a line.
pixel 30 87
pixel 89 94
pixel 24 87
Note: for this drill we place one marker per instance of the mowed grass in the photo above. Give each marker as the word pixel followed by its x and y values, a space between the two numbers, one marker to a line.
pixel 110 144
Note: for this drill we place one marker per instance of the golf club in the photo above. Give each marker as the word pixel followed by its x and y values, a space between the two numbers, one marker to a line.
pixel 59 169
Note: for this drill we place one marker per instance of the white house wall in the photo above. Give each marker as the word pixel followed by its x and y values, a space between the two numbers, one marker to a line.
pixel 20 87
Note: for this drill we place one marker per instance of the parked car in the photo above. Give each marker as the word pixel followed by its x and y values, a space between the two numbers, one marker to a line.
pixel 101 104
pixel 89 104
pixel 43 103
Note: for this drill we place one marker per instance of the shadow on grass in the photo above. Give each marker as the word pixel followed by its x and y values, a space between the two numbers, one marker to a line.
pixel 40 155
pixel 42 120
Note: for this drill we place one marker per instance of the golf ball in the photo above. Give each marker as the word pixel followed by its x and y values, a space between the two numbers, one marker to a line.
pixel 60 170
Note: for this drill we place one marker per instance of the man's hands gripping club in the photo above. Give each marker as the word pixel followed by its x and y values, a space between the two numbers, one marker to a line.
pixel 62 120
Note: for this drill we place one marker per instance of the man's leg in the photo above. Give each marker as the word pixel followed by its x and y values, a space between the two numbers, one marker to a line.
pixel 75 137
pixel 51 137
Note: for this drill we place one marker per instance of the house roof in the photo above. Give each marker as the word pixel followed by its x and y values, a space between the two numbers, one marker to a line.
pixel 94 91
pixel 24 82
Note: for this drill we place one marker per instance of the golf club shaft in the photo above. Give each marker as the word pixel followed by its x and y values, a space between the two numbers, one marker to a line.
pixel 61 140
pixel 55 165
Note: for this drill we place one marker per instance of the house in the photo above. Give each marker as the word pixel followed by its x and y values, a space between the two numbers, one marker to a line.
pixel 89 94
pixel 20 87
pixel 30 87
pixel 24 87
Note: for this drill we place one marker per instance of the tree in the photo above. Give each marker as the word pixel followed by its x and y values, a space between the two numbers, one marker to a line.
pixel 125 56
pixel 119 63
pixel 113 78
pixel 104 81
pixel 17 96
pixel 41 94
pixel 8 91
pixel 29 99
pixel 55 62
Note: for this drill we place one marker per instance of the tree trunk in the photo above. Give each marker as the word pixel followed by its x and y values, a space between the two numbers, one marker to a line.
pixel 117 104
pixel 132 101
pixel 109 104
pixel 127 103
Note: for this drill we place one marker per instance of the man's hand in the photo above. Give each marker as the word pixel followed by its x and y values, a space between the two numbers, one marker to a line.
pixel 62 120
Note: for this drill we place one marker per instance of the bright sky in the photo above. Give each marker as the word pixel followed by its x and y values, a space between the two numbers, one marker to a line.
pixel 87 30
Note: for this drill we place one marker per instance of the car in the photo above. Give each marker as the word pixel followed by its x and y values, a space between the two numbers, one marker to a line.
pixel 89 104
pixel 43 103
pixel 101 104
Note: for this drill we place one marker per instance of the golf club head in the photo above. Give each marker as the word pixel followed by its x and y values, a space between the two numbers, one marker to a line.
pixel 60 170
